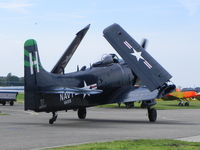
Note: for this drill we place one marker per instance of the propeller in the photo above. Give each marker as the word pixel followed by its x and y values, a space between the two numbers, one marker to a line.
pixel 144 43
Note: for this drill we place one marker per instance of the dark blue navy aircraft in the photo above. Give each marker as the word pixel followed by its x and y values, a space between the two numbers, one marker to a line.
pixel 110 80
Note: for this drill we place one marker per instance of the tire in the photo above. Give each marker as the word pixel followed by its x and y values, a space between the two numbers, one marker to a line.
pixel 3 103
pixel 11 103
pixel 152 114
pixel 82 113
pixel 180 104
pixel 51 121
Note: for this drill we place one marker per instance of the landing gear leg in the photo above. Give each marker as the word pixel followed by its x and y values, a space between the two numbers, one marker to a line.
pixel 187 104
pixel 181 103
pixel 152 114
pixel 129 105
pixel 82 113
pixel 54 117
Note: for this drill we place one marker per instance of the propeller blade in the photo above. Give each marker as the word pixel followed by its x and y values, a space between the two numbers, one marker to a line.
pixel 144 43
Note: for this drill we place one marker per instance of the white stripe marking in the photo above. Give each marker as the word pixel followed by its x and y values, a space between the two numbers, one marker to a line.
pixel 37 64
pixel 147 64
pixel 127 44
pixel 31 63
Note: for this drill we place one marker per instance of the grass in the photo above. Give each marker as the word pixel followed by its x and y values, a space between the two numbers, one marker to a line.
pixel 20 98
pixel 136 145
pixel 2 114
pixel 161 104
pixel 174 105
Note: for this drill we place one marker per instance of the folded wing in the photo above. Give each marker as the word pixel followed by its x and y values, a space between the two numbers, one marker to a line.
pixel 150 72
pixel 63 61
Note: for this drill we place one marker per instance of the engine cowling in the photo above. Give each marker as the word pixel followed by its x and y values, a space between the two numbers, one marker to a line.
pixel 117 76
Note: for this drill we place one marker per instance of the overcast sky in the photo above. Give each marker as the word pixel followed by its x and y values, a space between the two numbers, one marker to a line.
pixel 172 28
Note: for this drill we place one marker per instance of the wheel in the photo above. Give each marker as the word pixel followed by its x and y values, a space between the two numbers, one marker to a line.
pixel 187 104
pixel 11 103
pixel 54 117
pixel 152 114
pixel 51 121
pixel 180 104
pixel 3 103
pixel 82 113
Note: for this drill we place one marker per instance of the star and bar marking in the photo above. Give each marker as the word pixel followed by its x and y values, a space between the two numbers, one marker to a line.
pixel 138 55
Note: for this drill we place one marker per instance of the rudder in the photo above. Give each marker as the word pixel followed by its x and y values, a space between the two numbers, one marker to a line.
pixel 32 67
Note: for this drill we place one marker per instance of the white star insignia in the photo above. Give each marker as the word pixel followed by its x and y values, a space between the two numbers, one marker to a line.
pixel 137 55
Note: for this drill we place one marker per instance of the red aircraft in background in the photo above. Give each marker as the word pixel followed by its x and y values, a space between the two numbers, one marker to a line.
pixel 185 96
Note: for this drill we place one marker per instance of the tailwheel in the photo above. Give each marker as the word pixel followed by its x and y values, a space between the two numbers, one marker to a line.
pixel 152 114
pixel 82 113
pixel 54 117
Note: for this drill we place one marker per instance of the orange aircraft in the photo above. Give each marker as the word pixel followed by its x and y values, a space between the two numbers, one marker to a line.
pixel 185 96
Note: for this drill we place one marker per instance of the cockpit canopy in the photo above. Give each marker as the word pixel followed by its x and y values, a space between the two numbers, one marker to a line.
pixel 107 60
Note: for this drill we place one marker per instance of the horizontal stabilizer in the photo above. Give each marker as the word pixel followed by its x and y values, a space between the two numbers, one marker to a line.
pixel 63 61
pixel 72 91
pixel 150 72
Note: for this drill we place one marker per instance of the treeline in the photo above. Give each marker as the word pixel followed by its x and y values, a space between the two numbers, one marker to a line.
pixel 11 80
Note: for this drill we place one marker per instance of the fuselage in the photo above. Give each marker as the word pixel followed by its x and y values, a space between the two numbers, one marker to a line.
pixel 109 78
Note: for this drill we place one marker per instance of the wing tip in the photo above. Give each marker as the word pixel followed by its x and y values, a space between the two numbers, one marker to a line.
pixel 83 31
pixel 110 27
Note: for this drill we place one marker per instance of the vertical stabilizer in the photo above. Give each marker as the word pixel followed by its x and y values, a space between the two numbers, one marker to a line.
pixel 32 67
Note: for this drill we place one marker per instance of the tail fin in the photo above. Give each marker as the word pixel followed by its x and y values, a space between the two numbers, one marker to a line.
pixel 32 67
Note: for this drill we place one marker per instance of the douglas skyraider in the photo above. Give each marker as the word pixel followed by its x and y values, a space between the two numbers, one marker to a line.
pixel 110 80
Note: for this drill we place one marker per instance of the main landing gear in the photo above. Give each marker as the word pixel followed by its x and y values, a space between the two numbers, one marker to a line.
pixel 152 114
pixel 184 104
pixel 54 117
pixel 129 105
pixel 82 113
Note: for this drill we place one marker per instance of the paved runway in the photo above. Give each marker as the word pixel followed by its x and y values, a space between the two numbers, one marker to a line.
pixel 27 130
